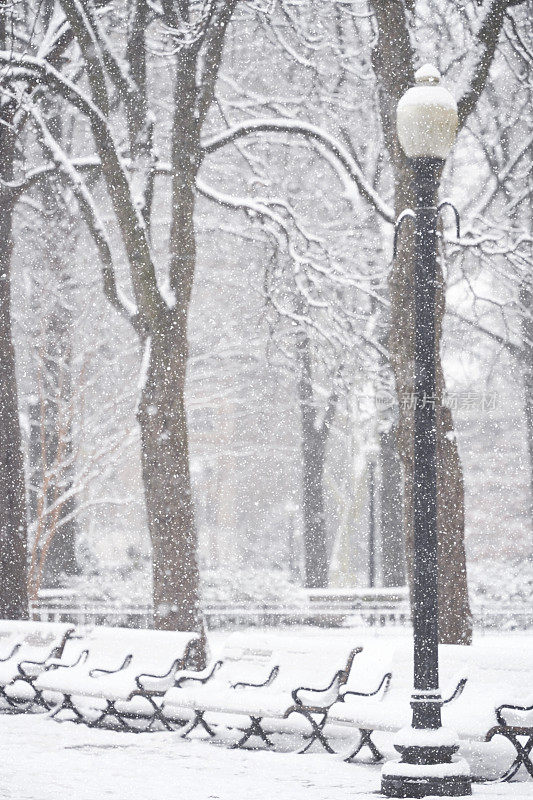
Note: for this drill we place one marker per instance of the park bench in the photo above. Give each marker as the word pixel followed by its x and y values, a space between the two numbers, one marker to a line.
pixel 117 672
pixel 386 706
pixel 369 676
pixel 25 647
pixel 480 687
pixel 497 700
pixel 513 733
pixel 257 678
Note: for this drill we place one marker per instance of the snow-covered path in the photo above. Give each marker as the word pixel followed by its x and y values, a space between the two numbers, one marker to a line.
pixel 44 760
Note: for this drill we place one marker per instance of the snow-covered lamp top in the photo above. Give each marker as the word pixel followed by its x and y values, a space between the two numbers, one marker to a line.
pixel 427 116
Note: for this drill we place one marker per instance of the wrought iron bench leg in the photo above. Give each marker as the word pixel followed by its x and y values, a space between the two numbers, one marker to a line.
pixel 316 735
pixel 198 720
pixel 11 703
pixel 16 703
pixel 157 715
pixel 112 712
pixel 67 705
pixel 522 751
pixel 95 723
pixel 38 699
pixel 123 717
pixel 109 711
pixel 365 740
pixel 23 706
pixel 255 729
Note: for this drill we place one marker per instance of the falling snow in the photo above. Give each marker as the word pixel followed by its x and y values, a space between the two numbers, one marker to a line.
pixel 207 349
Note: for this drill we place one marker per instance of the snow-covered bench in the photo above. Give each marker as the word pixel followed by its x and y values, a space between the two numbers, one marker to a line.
pixel 386 705
pixel 497 700
pixel 116 672
pixel 25 647
pixel 257 677
pixel 369 676
pixel 486 691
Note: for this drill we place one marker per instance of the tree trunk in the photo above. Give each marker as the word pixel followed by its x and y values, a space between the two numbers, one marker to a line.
pixel 528 410
pixel 315 541
pixel 160 320
pixel 455 621
pixel 50 458
pixel 313 461
pixel 161 415
pixel 13 533
pixel 167 485
pixel 60 537
pixel 526 302
pixel 391 512
pixel 393 60
pixel 60 558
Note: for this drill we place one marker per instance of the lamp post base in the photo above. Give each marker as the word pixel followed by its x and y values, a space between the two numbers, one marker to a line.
pixel 427 766
pixel 423 785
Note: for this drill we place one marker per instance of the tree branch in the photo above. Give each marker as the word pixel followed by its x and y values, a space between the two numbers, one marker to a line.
pixel 213 45
pixel 96 49
pixel 515 350
pixel 487 41
pixel 76 15
pixel 131 222
pixel 345 166
pixel 392 61
pixel 90 215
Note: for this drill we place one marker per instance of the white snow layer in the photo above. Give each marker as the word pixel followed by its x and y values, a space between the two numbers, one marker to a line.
pixel 43 760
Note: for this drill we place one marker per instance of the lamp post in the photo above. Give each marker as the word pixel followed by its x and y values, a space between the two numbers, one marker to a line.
pixel 427 123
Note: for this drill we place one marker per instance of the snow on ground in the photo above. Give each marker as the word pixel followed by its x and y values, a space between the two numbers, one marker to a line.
pixel 42 759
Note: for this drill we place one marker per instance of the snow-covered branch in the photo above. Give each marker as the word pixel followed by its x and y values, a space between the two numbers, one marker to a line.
pixel 129 216
pixel 90 215
pixel 483 54
pixel 341 161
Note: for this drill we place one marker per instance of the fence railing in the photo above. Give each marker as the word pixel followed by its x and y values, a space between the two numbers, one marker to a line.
pixel 327 608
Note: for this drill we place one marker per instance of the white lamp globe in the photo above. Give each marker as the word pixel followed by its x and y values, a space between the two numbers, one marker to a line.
pixel 427 117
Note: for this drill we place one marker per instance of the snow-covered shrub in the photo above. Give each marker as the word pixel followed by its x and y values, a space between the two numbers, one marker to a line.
pixel 248 586
pixel 502 582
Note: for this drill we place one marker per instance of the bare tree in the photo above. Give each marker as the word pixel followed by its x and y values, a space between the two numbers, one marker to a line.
pixel 108 83
pixel 498 244
pixel 13 595
pixel 393 27
pixel 394 63
pixel 193 38
pixel 159 313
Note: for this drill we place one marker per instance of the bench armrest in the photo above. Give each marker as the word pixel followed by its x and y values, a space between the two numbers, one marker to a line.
pixel 509 707
pixel 97 670
pixel 504 730
pixel 355 652
pixel 12 653
pixel 199 677
pixel 338 680
pixel 332 688
pixel 55 654
pixel 173 669
pixel 385 682
pixel 25 666
pixel 58 665
pixel 456 692
pixel 258 685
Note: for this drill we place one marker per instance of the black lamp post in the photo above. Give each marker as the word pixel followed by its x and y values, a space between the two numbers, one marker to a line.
pixel 427 123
